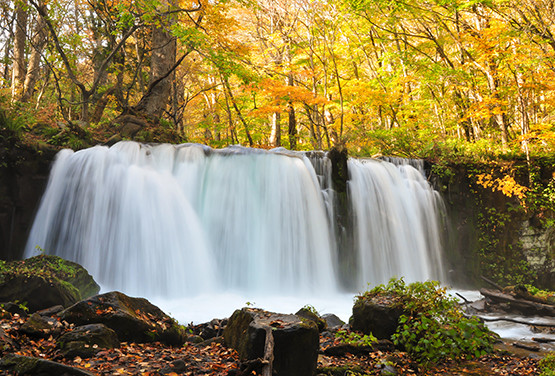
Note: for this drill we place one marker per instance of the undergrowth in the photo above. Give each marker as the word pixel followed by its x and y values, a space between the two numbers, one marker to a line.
pixel 433 327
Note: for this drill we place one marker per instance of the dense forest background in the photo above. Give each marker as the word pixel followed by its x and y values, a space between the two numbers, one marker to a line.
pixel 414 78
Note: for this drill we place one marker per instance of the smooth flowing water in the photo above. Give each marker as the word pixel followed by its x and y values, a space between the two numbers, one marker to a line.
pixel 188 222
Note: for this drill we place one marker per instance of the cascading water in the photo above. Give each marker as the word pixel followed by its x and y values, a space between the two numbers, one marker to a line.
pixel 187 220
pixel 396 229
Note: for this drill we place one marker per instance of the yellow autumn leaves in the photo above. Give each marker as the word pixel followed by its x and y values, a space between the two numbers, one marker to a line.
pixel 506 185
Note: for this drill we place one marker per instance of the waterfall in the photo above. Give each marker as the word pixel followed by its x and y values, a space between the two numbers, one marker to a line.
pixel 178 220
pixel 396 227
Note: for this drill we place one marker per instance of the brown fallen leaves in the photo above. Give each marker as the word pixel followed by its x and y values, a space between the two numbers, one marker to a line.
pixel 215 359
pixel 155 359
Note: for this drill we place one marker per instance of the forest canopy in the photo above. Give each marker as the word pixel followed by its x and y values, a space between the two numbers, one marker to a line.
pixel 414 78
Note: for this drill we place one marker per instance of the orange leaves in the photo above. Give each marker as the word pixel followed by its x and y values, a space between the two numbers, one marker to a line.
pixel 278 95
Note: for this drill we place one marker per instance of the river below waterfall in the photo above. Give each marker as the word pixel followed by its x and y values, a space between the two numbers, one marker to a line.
pixel 508 330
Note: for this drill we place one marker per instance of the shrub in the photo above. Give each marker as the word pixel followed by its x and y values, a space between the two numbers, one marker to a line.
pixel 547 365
pixel 434 327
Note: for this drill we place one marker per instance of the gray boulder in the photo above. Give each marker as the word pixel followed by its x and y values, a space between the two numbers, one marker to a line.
pixel 333 323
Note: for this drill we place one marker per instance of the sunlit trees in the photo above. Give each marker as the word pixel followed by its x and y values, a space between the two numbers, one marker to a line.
pixel 374 75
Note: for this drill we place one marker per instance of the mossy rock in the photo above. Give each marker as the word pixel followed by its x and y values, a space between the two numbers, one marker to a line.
pixel 38 326
pixel 44 281
pixel 376 315
pixel 296 340
pixel 87 340
pixel 26 365
pixel 309 314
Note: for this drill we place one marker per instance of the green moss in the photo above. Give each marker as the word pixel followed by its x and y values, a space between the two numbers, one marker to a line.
pixel 19 364
pixel 350 370
pixel 52 268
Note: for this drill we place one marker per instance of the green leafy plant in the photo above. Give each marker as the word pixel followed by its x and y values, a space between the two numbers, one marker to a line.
pixel 433 327
pixel 311 309
pixel 547 365
pixel 355 339
pixel 11 123
pixel 22 305
pixel 547 295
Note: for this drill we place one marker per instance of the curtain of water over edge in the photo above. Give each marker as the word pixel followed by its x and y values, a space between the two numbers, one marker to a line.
pixel 182 220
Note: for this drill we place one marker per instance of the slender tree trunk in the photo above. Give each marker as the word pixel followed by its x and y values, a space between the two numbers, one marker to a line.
pixel 20 37
pixel 6 59
pixel 275 135
pixel 292 129
pixel 215 112
pixel 237 110
pixel 33 70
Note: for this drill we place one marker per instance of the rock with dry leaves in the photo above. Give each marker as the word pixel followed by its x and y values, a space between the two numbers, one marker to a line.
pixel 286 344
pixel 87 340
pixel 133 319
pixel 40 326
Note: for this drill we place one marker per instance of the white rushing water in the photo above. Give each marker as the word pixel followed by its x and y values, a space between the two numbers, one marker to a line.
pixel 183 223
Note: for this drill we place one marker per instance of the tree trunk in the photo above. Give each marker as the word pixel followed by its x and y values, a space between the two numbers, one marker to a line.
pixel 18 69
pixel 162 61
pixel 275 135
pixel 237 110
pixel 101 105
pixel 6 57
pixel 33 70
pixel 292 129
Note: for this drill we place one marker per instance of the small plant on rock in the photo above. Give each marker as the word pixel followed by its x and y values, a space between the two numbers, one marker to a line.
pixel 355 339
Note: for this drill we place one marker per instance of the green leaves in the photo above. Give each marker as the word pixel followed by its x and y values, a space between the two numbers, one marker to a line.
pixel 355 339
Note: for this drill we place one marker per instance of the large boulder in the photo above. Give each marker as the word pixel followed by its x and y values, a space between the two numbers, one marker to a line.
pixel 133 319
pixel 87 340
pixel 296 340
pixel 376 315
pixel 44 281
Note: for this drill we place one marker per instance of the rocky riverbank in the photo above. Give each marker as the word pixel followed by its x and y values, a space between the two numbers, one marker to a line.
pixel 114 334
pixel 44 355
